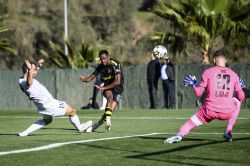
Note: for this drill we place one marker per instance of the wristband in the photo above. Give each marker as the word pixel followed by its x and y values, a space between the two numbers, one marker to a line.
pixel 38 67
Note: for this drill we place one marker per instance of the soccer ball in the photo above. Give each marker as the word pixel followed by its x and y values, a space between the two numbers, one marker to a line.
pixel 159 52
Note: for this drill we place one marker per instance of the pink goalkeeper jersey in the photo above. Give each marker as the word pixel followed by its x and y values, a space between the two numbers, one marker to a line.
pixel 221 82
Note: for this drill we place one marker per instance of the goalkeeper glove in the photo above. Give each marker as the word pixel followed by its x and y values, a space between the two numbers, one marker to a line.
pixel 241 83
pixel 190 81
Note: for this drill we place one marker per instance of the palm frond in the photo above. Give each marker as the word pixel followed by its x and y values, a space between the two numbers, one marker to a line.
pixel 3 26
pixel 204 23
pixel 61 53
pixel 169 14
pixel 54 60
pixel 5 45
pixel 214 7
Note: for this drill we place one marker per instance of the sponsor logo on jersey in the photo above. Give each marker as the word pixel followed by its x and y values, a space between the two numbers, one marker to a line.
pixel 107 78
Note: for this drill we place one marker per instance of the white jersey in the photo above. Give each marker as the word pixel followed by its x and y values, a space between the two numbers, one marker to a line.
pixel 39 95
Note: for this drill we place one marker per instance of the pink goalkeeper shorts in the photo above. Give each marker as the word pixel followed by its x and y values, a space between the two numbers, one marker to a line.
pixel 206 115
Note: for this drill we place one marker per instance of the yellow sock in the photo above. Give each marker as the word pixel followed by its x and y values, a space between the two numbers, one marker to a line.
pixel 102 120
pixel 108 112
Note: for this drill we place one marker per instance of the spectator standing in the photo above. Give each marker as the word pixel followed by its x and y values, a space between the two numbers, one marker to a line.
pixel 98 82
pixel 167 77
pixel 153 75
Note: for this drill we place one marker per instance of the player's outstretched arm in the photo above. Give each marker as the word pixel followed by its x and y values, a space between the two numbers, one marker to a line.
pixel 90 78
pixel 39 65
pixel 190 81
pixel 30 73
pixel 115 83
pixel 241 93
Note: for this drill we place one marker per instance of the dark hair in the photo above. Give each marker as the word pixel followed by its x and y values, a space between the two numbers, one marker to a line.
pixel 91 98
pixel 103 52
pixel 24 67
pixel 219 53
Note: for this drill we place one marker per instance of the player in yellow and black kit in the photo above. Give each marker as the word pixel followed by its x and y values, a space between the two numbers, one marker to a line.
pixel 111 73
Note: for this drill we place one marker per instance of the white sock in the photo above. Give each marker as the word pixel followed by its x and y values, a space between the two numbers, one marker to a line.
pixel 75 121
pixel 35 126
pixel 108 120
pixel 104 102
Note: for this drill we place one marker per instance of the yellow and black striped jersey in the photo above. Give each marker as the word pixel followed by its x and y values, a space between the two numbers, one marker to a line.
pixel 108 72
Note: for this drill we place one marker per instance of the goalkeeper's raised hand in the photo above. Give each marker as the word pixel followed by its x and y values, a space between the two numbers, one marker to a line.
pixel 190 81
pixel 241 82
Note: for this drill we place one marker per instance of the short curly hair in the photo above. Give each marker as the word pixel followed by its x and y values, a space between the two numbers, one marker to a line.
pixel 103 52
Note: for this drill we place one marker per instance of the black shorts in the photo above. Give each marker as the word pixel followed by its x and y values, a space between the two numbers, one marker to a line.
pixel 117 92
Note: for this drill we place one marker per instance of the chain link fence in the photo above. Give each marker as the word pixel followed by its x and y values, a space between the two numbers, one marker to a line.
pixel 64 85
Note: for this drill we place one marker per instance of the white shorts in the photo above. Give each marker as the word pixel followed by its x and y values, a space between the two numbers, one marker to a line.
pixel 59 110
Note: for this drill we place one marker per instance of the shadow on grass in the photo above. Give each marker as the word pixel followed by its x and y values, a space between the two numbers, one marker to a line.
pixel 146 155
pixel 8 134
pixel 106 148
pixel 77 133
pixel 185 139
pixel 56 129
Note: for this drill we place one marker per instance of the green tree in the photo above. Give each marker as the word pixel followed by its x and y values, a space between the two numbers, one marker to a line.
pixel 115 22
pixel 5 44
pixel 76 59
pixel 204 23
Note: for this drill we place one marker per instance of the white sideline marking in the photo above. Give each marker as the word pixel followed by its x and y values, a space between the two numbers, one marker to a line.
pixel 99 117
pixel 101 139
pixel 66 143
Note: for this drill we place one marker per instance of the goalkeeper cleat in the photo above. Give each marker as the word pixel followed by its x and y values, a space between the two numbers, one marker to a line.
pixel 173 139
pixel 85 125
pixel 93 128
pixel 107 126
pixel 21 134
pixel 228 136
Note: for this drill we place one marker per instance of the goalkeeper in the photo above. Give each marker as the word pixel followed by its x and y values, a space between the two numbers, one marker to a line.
pixel 220 82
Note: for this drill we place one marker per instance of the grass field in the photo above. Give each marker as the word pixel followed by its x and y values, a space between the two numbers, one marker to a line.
pixel 136 138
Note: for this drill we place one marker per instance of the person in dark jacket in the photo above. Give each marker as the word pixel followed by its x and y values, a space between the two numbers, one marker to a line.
pixel 98 82
pixel 167 77
pixel 153 75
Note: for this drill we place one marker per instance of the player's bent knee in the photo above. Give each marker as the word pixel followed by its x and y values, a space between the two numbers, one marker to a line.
pixel 110 99
pixel 70 110
pixel 196 120
pixel 73 112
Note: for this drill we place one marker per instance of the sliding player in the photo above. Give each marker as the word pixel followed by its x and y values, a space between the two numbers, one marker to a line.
pixel 47 106
pixel 111 73
pixel 221 82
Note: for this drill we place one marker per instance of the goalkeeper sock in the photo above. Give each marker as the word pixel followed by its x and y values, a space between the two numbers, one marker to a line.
pixel 188 126
pixel 233 118
pixel 37 125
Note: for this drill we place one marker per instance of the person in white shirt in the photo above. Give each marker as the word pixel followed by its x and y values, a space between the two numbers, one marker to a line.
pixel 47 106
pixel 167 77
